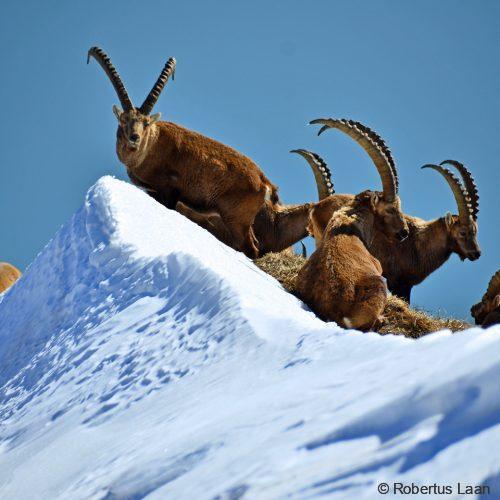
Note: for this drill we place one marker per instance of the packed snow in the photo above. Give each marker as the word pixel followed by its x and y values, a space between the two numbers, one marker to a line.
pixel 142 358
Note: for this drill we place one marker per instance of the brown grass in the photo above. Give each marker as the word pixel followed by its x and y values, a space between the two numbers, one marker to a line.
pixel 400 318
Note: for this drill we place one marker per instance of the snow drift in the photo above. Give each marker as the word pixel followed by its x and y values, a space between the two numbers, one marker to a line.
pixel 140 357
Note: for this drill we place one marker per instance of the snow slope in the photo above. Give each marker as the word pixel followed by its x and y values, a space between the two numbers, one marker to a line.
pixel 140 357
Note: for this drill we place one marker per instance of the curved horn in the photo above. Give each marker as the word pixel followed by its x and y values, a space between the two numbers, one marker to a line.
pixel 102 58
pixel 464 211
pixel 321 172
pixel 150 101
pixel 493 287
pixel 304 250
pixel 374 146
pixel 470 185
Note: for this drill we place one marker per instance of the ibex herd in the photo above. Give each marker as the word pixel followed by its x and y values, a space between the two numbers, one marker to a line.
pixel 362 241
pixel 365 244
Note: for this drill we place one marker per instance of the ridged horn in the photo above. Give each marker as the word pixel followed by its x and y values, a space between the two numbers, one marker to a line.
pixel 150 101
pixel 321 172
pixel 493 287
pixel 464 210
pixel 469 183
pixel 374 146
pixel 105 62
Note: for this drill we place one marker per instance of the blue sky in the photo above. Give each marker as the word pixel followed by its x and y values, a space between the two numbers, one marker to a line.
pixel 425 75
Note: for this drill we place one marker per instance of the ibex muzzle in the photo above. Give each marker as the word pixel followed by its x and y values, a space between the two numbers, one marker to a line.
pixel 133 125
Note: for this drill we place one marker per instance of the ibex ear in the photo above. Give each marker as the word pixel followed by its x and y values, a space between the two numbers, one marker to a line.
pixel 496 301
pixel 448 218
pixel 155 117
pixel 374 199
pixel 117 111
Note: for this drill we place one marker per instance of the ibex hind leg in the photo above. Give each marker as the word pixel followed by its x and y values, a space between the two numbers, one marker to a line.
pixel 238 212
pixel 209 220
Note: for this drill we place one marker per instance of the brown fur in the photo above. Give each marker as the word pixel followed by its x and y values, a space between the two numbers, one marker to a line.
pixel 407 263
pixel 388 218
pixel 177 164
pixel 8 276
pixel 276 226
pixel 428 246
pixel 487 312
pixel 342 281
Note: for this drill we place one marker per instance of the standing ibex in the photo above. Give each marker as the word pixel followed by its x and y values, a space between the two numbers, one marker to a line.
pixel 387 206
pixel 342 281
pixel 487 312
pixel 276 226
pixel 8 275
pixel 177 164
pixel 431 243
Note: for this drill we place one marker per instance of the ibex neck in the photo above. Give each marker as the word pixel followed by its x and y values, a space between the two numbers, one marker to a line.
pixel 135 157
pixel 433 244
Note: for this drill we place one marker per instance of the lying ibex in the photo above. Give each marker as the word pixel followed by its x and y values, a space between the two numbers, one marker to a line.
pixel 8 275
pixel 342 281
pixel 177 164
pixel 276 226
pixel 387 206
pixel 487 312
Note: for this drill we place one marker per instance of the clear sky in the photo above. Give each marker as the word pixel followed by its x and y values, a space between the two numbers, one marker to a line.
pixel 424 74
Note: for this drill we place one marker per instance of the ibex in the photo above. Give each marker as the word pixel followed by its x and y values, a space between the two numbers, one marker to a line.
pixel 176 164
pixel 342 281
pixel 431 243
pixel 387 206
pixel 8 275
pixel 487 312
pixel 276 226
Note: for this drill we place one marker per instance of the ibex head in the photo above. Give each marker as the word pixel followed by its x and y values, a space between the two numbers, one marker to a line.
pixel 462 228
pixel 490 301
pixel 133 122
pixel 386 204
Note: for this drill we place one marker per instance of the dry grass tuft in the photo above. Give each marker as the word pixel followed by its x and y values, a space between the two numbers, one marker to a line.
pixel 283 266
pixel 401 319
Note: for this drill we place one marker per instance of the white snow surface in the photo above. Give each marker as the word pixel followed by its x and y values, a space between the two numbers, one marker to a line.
pixel 142 358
